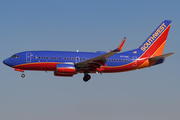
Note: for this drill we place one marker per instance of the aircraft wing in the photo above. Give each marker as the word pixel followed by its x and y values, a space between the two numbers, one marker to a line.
pixel 96 62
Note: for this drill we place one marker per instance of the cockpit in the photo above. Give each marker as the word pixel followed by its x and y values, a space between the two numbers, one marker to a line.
pixel 14 56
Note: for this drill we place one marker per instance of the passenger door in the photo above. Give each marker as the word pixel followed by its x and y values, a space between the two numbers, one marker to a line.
pixel 28 57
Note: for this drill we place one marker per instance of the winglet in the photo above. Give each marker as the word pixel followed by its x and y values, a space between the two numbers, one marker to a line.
pixel 120 46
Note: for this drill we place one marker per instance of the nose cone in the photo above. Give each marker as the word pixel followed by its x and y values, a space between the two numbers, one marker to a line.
pixel 7 62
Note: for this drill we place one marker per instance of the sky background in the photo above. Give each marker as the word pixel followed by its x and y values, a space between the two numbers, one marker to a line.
pixel 88 25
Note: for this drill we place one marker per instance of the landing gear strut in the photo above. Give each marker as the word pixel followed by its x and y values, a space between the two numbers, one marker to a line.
pixel 86 77
pixel 23 75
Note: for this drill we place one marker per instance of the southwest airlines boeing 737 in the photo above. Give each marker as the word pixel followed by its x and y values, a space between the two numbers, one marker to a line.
pixel 70 63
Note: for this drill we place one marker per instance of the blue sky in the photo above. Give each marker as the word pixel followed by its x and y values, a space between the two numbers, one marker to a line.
pixel 69 25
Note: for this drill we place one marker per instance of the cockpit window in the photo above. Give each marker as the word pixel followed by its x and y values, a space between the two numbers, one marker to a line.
pixel 15 56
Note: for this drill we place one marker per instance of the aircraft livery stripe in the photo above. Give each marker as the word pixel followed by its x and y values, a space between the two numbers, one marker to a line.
pixel 156 44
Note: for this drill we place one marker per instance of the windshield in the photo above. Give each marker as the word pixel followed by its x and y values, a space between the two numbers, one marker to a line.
pixel 15 56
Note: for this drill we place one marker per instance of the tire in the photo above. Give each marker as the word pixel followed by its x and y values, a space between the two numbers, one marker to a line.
pixel 86 78
pixel 23 75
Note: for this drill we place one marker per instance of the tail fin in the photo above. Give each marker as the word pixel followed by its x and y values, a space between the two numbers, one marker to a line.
pixel 155 43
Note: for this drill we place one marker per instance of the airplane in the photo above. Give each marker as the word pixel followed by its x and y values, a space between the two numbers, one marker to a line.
pixel 67 64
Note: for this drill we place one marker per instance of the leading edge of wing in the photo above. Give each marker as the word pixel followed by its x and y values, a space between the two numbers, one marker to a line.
pixel 101 58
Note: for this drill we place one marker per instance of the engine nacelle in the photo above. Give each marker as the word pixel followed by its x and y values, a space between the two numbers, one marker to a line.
pixel 65 70
pixel 63 74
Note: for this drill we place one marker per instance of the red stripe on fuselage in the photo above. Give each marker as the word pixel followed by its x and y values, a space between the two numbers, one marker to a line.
pixel 44 66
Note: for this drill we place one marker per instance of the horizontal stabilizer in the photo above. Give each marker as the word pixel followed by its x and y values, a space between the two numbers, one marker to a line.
pixel 161 56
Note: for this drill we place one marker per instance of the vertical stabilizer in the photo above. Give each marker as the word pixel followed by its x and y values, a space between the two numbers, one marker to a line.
pixel 155 43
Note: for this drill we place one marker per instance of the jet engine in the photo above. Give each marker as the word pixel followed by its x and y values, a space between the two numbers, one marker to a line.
pixel 65 70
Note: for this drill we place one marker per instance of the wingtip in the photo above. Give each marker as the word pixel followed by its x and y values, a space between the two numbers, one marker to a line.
pixel 171 53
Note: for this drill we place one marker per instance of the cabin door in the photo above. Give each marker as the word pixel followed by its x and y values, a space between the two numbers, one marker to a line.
pixel 28 57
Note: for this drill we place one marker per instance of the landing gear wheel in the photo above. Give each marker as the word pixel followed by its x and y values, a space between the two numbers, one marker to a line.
pixel 86 77
pixel 23 75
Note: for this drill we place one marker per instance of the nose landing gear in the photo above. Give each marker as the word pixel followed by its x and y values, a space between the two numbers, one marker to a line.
pixel 22 75
pixel 86 77
pixel 20 70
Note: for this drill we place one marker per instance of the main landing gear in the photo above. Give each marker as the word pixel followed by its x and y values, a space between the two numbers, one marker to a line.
pixel 86 77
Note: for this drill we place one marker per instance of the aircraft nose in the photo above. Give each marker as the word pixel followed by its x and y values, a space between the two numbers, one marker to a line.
pixel 6 61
